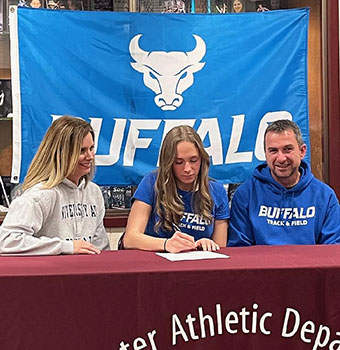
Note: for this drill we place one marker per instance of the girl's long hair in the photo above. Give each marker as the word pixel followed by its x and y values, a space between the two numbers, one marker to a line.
pixel 169 205
pixel 58 153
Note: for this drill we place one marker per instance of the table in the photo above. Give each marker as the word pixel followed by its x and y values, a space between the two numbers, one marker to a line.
pixel 261 298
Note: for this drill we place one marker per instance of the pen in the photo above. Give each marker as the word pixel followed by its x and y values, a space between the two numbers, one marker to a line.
pixel 176 227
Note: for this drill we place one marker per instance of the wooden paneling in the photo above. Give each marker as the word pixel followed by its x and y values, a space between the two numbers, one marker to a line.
pixel 5 74
pixel 314 83
pixel 5 147
pixel 333 96
pixel 4 51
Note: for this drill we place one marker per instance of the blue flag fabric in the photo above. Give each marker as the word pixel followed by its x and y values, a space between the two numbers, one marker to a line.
pixel 136 75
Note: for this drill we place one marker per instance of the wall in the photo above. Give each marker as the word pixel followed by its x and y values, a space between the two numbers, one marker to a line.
pixel 314 83
pixel 5 125
pixel 333 88
pixel 5 147
pixel 4 57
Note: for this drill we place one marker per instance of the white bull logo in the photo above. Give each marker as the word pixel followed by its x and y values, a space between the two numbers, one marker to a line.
pixel 168 74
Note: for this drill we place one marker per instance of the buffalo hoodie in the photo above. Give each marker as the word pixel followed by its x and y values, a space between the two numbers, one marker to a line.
pixel 265 212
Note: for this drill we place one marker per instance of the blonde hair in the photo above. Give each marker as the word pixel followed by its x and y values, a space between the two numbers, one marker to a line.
pixel 58 153
pixel 169 205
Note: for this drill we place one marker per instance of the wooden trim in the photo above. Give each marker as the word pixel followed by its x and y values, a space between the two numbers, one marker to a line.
pixel 112 219
pixel 116 218
pixel 5 73
pixel 315 93
pixel 115 221
pixel 333 95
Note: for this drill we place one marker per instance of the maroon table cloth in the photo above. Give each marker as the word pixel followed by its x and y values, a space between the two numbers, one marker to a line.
pixel 261 298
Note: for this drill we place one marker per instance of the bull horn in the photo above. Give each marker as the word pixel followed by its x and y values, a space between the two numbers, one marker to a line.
pixel 135 51
pixel 199 51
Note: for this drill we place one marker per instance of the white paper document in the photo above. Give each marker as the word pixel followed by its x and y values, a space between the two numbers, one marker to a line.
pixel 194 255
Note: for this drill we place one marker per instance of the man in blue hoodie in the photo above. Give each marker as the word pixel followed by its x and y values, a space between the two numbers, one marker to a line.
pixel 283 203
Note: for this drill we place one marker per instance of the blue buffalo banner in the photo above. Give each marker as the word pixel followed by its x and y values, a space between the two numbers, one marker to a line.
pixel 134 76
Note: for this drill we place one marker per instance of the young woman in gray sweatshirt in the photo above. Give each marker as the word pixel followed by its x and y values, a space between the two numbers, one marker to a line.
pixel 61 211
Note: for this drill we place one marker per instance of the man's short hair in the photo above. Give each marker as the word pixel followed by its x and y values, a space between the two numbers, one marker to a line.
pixel 279 126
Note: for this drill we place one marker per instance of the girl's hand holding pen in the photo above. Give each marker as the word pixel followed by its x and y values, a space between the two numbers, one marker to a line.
pixel 180 242
pixel 204 244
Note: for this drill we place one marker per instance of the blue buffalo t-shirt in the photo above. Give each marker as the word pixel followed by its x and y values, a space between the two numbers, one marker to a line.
pixel 191 223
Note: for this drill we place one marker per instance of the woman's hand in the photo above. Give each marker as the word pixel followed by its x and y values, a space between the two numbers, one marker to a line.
pixel 82 247
pixel 180 242
pixel 207 244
